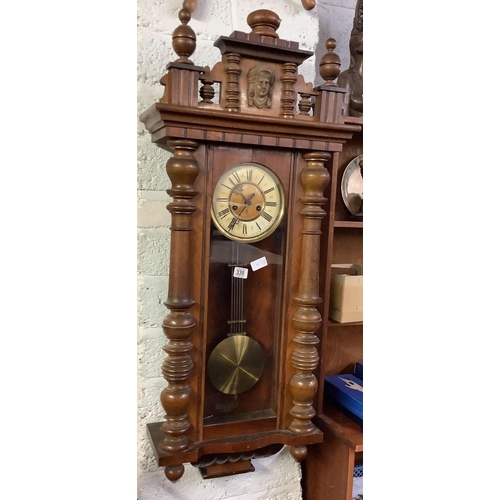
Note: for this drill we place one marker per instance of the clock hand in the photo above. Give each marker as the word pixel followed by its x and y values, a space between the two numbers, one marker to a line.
pixel 248 200
pixel 239 190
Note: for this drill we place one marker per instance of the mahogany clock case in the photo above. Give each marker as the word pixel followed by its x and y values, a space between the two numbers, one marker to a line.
pixel 265 289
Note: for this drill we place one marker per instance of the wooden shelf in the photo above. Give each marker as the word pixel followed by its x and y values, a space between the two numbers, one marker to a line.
pixel 336 323
pixel 329 466
pixel 346 429
pixel 348 223
pixel 354 120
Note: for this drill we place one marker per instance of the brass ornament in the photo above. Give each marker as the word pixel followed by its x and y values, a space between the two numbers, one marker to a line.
pixel 236 364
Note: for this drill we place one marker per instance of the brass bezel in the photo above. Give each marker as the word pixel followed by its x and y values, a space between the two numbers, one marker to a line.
pixel 269 230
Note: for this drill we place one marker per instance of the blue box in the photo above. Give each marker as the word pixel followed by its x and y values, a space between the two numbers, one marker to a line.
pixel 346 392
pixel 358 369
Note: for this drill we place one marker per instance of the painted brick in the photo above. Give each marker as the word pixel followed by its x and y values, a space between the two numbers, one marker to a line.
pixel 335 22
pixel 147 94
pixel 153 249
pixel 154 52
pixel 152 195
pixel 158 16
pixel 151 164
pixel 153 214
pixel 258 485
pixel 152 292
pixel 212 19
pixel 149 410
pixel 308 70
pixel 150 352
pixel 209 18
pixel 348 4
pixel 206 54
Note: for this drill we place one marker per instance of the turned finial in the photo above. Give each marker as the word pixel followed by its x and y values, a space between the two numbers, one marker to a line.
pixel 329 66
pixel 264 22
pixel 190 5
pixel 184 38
pixel 308 4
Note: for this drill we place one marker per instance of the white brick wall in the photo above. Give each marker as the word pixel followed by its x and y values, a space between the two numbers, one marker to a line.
pixel 277 477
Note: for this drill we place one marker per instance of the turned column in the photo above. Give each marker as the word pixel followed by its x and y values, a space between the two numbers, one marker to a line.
pixel 179 324
pixel 288 79
pixel 307 319
pixel 329 103
pixel 233 72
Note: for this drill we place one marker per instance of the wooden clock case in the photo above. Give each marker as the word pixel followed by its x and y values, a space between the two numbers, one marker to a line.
pixel 301 145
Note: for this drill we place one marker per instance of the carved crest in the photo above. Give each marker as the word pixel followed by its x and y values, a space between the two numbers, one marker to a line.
pixel 260 87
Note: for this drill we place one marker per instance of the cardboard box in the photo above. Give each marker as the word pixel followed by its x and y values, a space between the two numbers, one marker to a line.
pixel 346 293
pixel 345 391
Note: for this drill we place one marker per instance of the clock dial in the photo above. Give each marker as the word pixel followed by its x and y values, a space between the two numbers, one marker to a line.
pixel 248 203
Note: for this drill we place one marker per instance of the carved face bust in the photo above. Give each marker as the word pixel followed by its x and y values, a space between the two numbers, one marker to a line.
pixel 260 87
pixel 356 43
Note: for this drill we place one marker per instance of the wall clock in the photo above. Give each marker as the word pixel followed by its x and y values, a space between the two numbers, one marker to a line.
pixel 248 203
pixel 248 175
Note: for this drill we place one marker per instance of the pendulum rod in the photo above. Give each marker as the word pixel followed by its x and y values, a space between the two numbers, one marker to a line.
pixel 237 321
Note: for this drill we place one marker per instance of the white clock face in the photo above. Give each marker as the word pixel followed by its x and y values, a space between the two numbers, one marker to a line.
pixel 248 203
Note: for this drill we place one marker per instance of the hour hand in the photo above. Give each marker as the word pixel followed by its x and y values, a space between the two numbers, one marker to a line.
pixel 248 201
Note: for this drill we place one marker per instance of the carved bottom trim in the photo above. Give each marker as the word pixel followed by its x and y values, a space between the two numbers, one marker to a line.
pixel 229 469
pixel 228 464
pixel 174 472
pixel 238 445
pixel 298 453
pixel 220 459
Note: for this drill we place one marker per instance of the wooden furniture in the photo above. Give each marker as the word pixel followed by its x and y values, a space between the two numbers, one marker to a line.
pixel 328 468
pixel 240 393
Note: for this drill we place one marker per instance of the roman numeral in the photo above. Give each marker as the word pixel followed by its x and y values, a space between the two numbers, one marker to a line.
pixel 227 186
pixel 249 174
pixel 257 224
pixel 223 213
pixel 269 190
pixel 222 199
pixel 258 183
pixel 236 176
pixel 270 203
pixel 232 224
pixel 244 228
pixel 266 216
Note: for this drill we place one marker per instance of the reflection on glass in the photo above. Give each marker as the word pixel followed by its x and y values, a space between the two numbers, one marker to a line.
pixel 352 186
pixel 244 298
